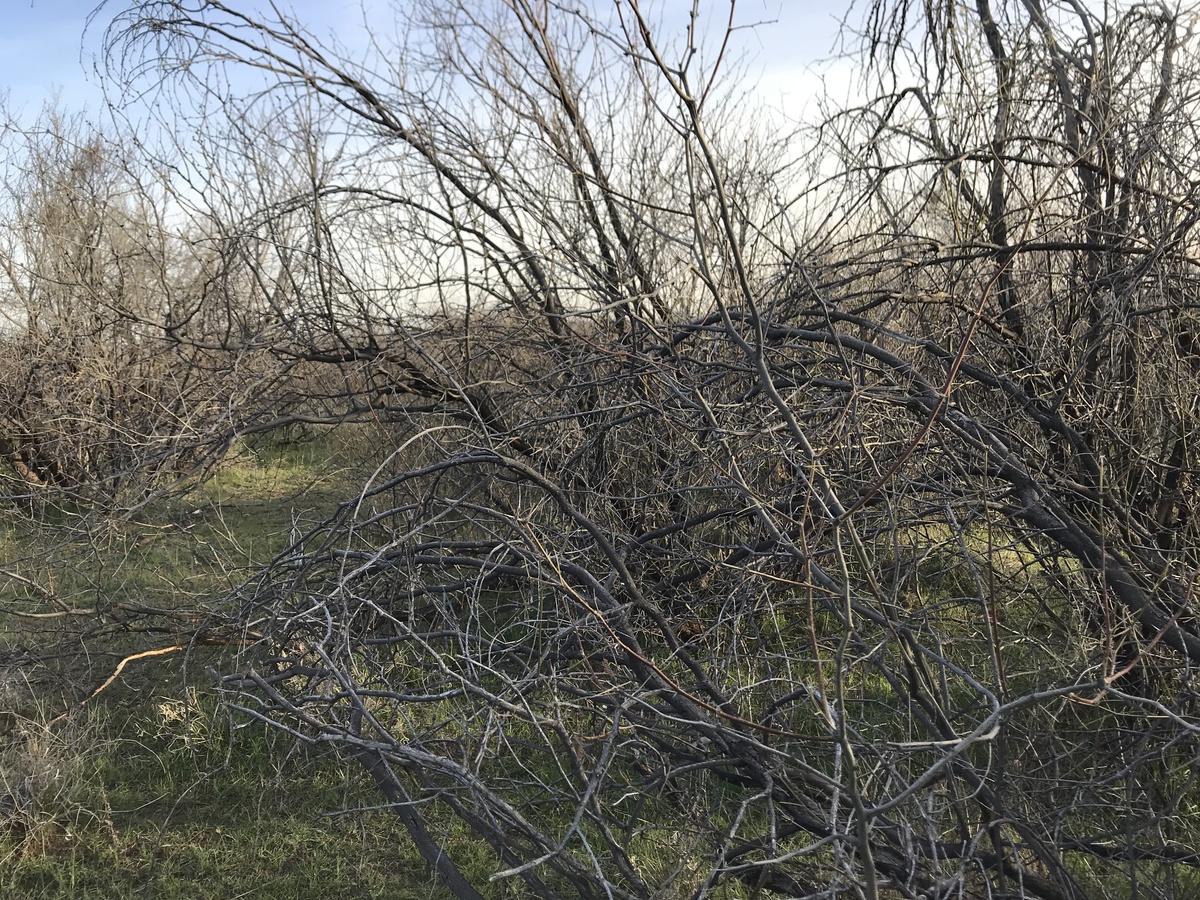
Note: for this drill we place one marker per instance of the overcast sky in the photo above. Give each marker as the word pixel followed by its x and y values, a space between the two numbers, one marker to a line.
pixel 44 50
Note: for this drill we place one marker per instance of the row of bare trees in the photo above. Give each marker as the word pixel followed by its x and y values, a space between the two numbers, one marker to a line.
pixel 709 553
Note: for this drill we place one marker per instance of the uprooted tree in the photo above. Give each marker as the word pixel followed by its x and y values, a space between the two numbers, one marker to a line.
pixel 853 558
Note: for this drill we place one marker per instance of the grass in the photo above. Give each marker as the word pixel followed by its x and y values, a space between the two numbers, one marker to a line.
pixel 177 805
pixel 149 789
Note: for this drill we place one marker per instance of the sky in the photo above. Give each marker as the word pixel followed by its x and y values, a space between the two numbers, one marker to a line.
pixel 48 50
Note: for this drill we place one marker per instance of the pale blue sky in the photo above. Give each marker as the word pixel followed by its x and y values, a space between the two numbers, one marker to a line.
pixel 47 48
pixel 44 49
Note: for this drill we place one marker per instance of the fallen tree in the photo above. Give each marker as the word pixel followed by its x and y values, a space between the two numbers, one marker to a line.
pixel 705 553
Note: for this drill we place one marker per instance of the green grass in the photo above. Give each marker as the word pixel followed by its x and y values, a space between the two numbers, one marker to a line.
pixel 150 789
pixel 174 804
pixel 146 789
pixel 176 549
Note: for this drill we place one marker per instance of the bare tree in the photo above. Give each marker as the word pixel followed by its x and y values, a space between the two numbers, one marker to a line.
pixel 96 398
pixel 703 553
